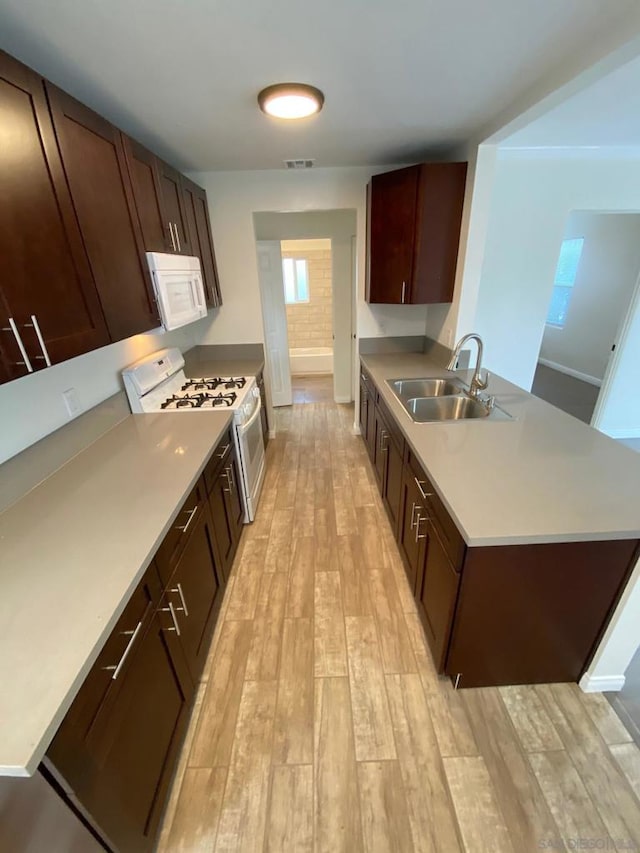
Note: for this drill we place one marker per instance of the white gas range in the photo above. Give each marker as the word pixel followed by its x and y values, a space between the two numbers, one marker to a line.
pixel 158 383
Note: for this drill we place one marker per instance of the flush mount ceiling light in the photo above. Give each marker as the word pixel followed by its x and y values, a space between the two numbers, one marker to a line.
pixel 291 100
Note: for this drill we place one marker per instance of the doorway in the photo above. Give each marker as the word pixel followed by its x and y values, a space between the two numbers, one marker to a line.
pixel 307 284
pixel 595 279
pixel 308 296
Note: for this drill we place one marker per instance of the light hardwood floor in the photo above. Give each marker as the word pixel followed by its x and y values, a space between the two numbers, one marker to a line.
pixel 321 725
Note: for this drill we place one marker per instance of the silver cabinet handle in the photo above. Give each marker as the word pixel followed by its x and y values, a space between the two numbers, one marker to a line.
pixel 173 239
pixel 227 474
pixel 232 484
pixel 418 520
pixel 34 325
pixel 132 639
pixel 420 484
pixel 413 512
pixel 404 288
pixel 185 527
pixel 13 328
pixel 178 588
pixel 383 437
pixel 175 227
pixel 222 453
pixel 170 610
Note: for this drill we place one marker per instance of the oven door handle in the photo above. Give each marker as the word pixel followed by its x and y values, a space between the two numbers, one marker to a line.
pixel 247 426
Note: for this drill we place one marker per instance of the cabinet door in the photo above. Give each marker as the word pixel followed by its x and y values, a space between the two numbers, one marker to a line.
pixel 194 595
pixel 197 216
pixel 438 592
pixel 411 545
pixel 94 163
pixel 130 750
pixel 263 410
pixel 45 271
pixel 223 525
pixel 391 227
pixel 174 208
pixel 364 407
pixel 392 490
pixel 233 496
pixel 437 235
pixel 380 449
pixel 145 181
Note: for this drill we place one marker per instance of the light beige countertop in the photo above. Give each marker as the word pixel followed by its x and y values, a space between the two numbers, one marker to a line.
pixel 71 553
pixel 199 364
pixel 542 477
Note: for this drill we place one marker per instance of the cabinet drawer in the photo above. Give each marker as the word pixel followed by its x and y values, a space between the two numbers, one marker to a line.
pixel 177 537
pixel 218 459
pixel 452 541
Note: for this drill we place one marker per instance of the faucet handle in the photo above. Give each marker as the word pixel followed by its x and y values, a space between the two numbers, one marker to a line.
pixel 483 383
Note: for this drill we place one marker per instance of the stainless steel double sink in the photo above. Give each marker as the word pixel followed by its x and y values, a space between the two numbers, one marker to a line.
pixel 442 399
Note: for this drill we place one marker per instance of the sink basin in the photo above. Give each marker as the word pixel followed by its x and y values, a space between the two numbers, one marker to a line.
pixel 413 388
pixel 453 408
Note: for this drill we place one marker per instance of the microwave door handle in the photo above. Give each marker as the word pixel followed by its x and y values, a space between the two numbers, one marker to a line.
pixel 198 290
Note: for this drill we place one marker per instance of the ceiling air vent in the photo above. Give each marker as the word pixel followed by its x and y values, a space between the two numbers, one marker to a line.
pixel 299 164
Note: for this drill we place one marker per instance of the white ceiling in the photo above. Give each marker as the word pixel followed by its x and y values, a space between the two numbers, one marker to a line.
pixel 400 78
pixel 604 115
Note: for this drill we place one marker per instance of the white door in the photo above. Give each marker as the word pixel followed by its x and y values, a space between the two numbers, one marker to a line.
pixel 341 274
pixel 274 316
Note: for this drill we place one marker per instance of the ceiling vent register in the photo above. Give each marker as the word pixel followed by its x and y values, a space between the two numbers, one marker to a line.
pixel 299 164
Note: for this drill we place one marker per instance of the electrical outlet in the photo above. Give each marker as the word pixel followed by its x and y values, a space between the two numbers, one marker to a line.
pixel 71 402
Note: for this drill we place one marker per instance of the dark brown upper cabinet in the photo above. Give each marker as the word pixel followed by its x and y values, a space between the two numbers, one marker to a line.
pixel 94 162
pixel 48 301
pixel 174 208
pixel 199 226
pixel 413 231
pixel 145 182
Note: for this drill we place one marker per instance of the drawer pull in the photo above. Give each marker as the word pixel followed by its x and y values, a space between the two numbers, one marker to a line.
pixel 418 520
pixel 132 639
pixel 230 481
pixel 420 484
pixel 414 506
pixel 170 610
pixel 192 512
pixel 222 453
pixel 178 588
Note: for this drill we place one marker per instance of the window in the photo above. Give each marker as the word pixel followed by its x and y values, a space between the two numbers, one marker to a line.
pixel 566 272
pixel 296 280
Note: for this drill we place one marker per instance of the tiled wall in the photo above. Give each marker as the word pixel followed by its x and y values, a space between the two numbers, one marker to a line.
pixel 310 323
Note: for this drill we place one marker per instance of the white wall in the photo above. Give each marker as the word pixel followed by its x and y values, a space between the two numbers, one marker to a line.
pixel 530 204
pixel 32 407
pixel 233 199
pixel 605 280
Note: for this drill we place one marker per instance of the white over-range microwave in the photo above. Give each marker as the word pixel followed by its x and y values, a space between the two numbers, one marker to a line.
pixel 177 283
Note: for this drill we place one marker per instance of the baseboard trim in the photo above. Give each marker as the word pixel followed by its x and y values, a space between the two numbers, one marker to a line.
pixel 272 433
pixel 585 377
pixel 343 399
pixel 622 433
pixel 355 429
pixel 601 683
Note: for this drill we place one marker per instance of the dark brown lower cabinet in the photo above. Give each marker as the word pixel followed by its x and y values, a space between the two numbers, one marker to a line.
pixel 227 509
pixel 114 753
pixel 263 412
pixel 411 540
pixel 115 761
pixel 194 595
pixel 508 614
pixel 436 593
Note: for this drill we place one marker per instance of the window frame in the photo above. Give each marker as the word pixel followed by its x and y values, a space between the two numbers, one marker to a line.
pixel 296 282
pixel 564 284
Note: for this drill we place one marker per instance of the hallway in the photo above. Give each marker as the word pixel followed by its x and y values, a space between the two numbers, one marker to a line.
pixel 321 725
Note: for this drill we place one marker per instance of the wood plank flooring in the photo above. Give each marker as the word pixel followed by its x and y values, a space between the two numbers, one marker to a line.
pixel 321 724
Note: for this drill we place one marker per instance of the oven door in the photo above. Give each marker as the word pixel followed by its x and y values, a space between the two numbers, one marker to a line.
pixel 180 297
pixel 250 445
